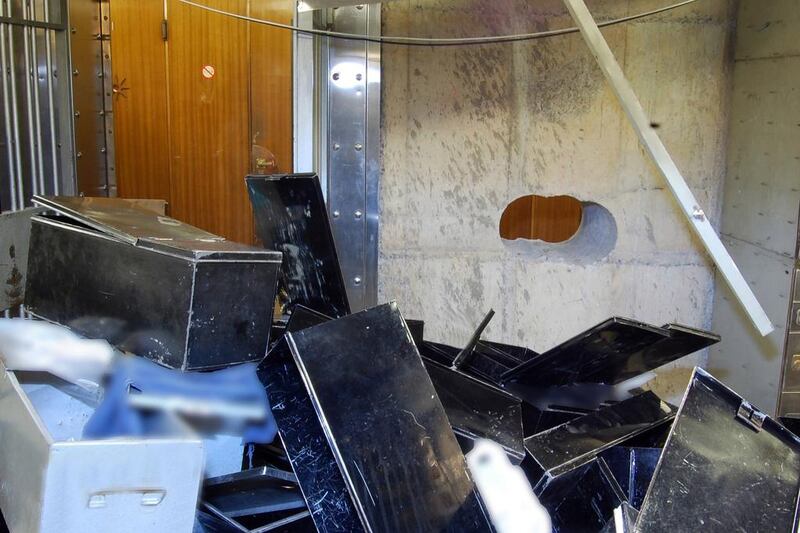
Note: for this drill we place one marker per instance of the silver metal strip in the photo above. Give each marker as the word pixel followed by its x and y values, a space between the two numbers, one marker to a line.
pixel 303 87
pixel 7 71
pixel 27 75
pixel 66 117
pixel 373 155
pixel 347 78
pixel 650 140
pixel 19 197
pixel 108 102
pixel 33 80
pixel 51 100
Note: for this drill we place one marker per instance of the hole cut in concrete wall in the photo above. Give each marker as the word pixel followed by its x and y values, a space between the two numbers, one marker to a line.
pixel 558 227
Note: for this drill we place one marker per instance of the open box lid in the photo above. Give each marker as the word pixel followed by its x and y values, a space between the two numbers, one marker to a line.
pixel 131 223
pixel 725 467
pixel 611 352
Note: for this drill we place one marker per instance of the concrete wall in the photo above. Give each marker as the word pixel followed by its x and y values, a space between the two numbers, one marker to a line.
pixel 762 194
pixel 468 129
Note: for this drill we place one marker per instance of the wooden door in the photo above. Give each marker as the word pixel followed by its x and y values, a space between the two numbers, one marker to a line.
pixel 227 95
pixel 209 117
pixel 141 122
pixel 271 88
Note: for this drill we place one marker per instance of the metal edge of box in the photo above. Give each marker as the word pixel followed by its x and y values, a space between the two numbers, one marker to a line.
pixel 23 457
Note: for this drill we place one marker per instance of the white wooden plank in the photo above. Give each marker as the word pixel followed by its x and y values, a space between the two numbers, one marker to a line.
pixel 677 184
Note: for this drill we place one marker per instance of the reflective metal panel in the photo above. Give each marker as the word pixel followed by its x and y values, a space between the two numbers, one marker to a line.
pixel 124 220
pixel 353 106
pixel 633 469
pixel 565 447
pixel 477 410
pixel 290 217
pixel 582 500
pixel 611 352
pixel 725 467
pixel 183 308
pixel 311 458
pixel 387 429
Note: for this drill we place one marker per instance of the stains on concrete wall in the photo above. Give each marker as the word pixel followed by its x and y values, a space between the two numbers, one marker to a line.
pixel 468 129
pixel 762 194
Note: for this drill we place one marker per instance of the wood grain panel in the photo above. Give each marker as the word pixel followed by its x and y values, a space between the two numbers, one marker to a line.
pixel 210 140
pixel 271 88
pixel 140 101
pixel 516 220
pixel 547 218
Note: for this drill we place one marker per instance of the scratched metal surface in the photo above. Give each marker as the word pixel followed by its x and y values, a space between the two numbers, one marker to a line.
pixel 718 473
pixel 290 217
pixel 124 219
pixel 311 458
pixel 385 424
pixel 477 410
pixel 181 312
pixel 613 351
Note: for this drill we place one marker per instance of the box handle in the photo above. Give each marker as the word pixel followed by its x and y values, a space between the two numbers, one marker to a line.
pixel 149 497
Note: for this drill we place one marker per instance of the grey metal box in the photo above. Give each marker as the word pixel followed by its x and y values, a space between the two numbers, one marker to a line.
pixel 52 481
pixel 150 284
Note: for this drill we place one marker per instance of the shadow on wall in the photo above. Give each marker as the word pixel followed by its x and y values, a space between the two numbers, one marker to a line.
pixel 558 228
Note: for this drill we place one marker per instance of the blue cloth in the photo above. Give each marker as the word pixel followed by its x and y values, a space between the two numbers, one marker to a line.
pixel 116 417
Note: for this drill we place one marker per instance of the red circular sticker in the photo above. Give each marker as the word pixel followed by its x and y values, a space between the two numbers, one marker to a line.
pixel 208 72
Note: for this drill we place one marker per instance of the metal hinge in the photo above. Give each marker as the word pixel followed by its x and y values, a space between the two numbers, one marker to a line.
pixel 164 32
pixel 750 416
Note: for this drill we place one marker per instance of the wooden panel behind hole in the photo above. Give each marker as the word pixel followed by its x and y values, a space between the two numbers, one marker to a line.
pixel 210 137
pixel 140 101
pixel 271 88
pixel 516 220
pixel 548 218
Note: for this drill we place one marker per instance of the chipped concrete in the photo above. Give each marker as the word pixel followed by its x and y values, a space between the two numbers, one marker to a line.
pixel 468 129
pixel 762 195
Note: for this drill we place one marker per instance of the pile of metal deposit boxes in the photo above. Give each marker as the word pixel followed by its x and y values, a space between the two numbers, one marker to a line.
pixel 374 418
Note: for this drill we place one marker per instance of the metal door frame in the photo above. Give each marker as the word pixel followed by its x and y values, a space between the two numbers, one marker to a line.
pixel 337 106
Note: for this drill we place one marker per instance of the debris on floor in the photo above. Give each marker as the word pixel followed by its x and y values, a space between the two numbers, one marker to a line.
pixel 379 428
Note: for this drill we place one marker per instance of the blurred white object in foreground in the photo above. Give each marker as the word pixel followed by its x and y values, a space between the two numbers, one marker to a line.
pixel 505 490
pixel 42 346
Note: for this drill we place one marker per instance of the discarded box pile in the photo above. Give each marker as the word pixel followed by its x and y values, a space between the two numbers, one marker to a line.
pixel 374 419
